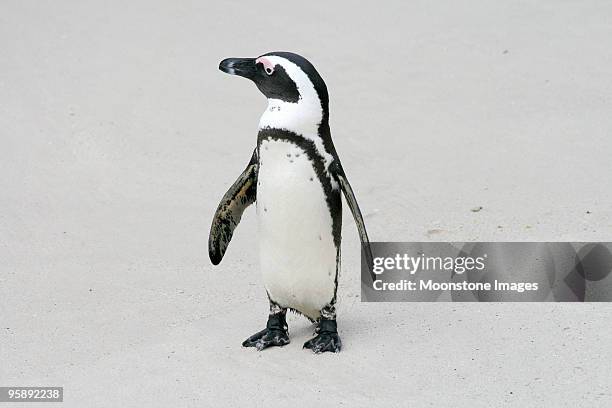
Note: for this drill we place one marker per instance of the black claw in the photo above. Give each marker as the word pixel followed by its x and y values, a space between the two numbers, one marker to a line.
pixel 327 338
pixel 275 334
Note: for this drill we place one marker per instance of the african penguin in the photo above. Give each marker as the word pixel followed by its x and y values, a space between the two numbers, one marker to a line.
pixel 295 178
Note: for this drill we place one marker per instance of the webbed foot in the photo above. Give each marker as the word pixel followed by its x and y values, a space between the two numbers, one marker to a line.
pixel 275 334
pixel 327 338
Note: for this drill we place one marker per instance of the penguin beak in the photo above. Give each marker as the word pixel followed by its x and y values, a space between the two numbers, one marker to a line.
pixel 244 67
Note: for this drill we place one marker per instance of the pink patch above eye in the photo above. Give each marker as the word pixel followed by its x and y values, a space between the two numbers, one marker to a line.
pixel 268 65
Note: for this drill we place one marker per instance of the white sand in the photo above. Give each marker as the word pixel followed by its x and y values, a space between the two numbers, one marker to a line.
pixel 119 136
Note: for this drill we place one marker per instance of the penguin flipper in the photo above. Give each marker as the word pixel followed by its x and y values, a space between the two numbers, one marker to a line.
pixel 349 195
pixel 229 212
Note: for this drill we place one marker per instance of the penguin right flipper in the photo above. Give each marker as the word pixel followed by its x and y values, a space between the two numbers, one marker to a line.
pixel 229 212
pixel 338 172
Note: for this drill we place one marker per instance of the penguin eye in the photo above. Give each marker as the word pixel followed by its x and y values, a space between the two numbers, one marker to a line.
pixel 268 65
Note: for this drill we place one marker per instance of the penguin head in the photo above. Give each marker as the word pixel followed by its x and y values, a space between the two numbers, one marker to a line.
pixel 281 76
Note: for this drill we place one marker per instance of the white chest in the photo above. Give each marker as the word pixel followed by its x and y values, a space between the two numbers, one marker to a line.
pixel 298 255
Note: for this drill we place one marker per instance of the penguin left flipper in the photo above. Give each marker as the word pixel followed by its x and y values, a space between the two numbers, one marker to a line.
pixel 338 173
pixel 229 212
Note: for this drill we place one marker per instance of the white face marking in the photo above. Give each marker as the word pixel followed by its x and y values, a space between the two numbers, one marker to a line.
pixel 303 117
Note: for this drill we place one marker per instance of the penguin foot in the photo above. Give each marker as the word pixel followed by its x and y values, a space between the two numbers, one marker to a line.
pixel 275 334
pixel 327 338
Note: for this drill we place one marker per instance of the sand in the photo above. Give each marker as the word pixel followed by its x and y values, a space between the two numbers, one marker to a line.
pixel 119 136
